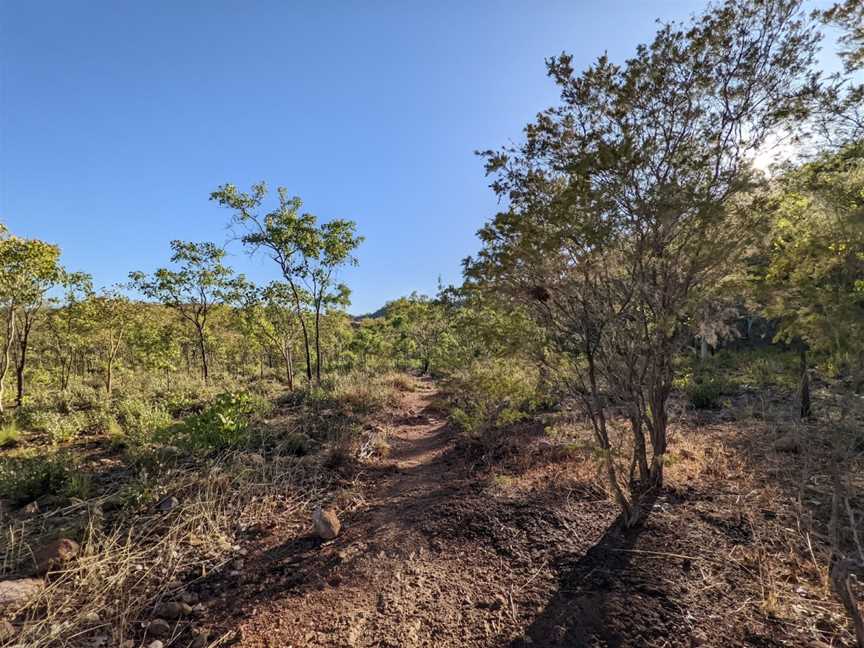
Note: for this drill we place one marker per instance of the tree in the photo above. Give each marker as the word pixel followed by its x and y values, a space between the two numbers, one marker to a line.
pixel 269 313
pixel 28 269
pixel 111 314
pixel 811 279
pixel 632 197
pixel 308 255
pixel 68 323
pixel 421 322
pixel 201 284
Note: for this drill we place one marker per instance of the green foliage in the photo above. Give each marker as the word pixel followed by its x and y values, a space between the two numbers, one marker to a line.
pixel 28 477
pixel 224 423
pixel 9 433
pixel 492 394
pixel 142 421
pixel 811 278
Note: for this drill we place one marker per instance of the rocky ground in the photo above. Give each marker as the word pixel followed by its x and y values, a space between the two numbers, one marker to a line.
pixel 522 550
pixel 441 555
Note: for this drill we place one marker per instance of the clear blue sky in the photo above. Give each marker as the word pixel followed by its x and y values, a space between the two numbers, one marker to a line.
pixel 118 118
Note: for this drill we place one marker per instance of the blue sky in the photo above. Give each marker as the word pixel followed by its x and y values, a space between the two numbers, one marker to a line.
pixel 118 118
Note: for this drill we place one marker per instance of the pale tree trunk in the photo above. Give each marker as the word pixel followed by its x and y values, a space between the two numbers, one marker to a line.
pixel 7 351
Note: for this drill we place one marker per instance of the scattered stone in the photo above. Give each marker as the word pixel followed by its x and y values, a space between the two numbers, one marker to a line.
pixel 326 523
pixel 159 628
pixel 113 503
pixel 790 443
pixel 91 617
pixel 168 504
pixel 17 591
pixel 128 644
pixel 201 637
pixel 55 554
pixel 173 609
pixel 155 644
pixel 7 630
pixel 255 459
pixel 31 509
pixel 199 610
pixel 189 597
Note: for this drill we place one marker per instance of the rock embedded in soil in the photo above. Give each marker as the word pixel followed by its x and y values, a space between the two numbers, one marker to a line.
pixel 168 504
pixel 55 554
pixel 788 443
pixel 19 590
pixel 159 628
pixel 326 523
pixel 173 610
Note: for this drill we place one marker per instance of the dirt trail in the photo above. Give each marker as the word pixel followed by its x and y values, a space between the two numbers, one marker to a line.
pixel 440 556
pixel 430 560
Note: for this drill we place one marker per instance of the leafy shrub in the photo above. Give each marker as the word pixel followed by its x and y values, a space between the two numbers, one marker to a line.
pixel 705 393
pixel 9 433
pixel 26 478
pixel 141 421
pixel 224 423
pixel 492 394
pixel 61 428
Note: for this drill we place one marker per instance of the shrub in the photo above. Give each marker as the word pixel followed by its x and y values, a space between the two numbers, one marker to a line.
pixel 9 433
pixel 705 393
pixel 141 421
pixel 26 478
pixel 491 394
pixel 224 423
pixel 61 428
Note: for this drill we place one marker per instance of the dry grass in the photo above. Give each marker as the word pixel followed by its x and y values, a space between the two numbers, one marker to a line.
pixel 122 573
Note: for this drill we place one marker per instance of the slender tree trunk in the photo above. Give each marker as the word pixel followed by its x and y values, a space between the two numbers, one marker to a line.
pixel 202 347
pixel 703 349
pixel 804 387
pixel 318 342
pixel 7 352
pixel 289 367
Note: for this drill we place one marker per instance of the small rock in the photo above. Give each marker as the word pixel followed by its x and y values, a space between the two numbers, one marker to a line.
pixel 113 503
pixel 128 644
pixel 237 564
pixel 155 644
pixel 19 590
pixel 168 504
pixel 90 617
pixel 201 638
pixel 55 554
pixel 7 630
pixel 788 443
pixel 255 459
pixel 31 509
pixel 173 609
pixel 199 610
pixel 189 597
pixel 326 523
pixel 159 628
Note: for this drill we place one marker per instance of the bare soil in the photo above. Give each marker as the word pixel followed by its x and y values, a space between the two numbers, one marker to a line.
pixel 528 553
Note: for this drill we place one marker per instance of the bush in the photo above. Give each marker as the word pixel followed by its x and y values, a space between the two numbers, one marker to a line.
pixel 27 478
pixel 705 392
pixel 9 433
pixel 62 428
pixel 491 394
pixel 141 421
pixel 224 423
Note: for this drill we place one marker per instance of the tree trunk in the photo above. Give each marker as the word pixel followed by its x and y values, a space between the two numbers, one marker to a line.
pixel 703 349
pixel 289 368
pixel 318 343
pixel 202 347
pixel 7 352
pixel 804 388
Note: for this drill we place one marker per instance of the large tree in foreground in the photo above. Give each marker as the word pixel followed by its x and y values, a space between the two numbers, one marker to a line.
pixel 632 197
